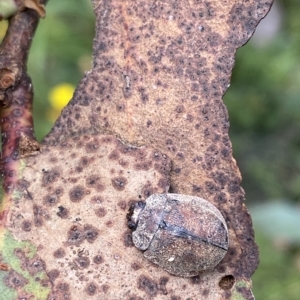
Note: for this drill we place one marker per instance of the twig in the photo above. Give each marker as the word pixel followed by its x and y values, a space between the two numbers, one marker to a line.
pixel 16 99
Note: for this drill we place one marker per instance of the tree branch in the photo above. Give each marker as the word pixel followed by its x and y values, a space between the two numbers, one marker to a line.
pixel 16 99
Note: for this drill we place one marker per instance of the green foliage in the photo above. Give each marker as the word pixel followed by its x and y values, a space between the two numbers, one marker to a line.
pixel 279 220
pixel 61 52
pixel 277 277
pixel 264 109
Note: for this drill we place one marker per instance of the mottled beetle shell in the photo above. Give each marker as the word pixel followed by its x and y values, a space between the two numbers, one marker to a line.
pixel 182 234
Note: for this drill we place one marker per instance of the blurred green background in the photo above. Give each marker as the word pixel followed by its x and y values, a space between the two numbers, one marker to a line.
pixel 264 109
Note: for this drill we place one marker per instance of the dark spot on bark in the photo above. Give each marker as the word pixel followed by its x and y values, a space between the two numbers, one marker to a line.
pixel 63 286
pixel 92 146
pixel 14 280
pixel 50 200
pixel 233 187
pixel 96 199
pixel 38 215
pixel 100 212
pixel 195 87
pixel 147 285
pixel 77 193
pixel 225 152
pixel 22 184
pixel 63 212
pixel 211 188
pixel 70 123
pixel 91 233
pixel 59 253
pixel 38 222
pixel 17 112
pixel 119 183
pixel 220 178
pixel 220 198
pixel 149 123
pixel 190 118
pixel 127 91
pixel 179 109
pixel 135 266
pixel 91 289
pixel 34 265
pixel 114 155
pixel 122 204
pixel 180 156
pixel 82 262
pixel 44 282
pixel 105 288
pixel 162 168
pixel 98 259
pixel 245 292
pixel 94 181
pixel 26 226
pixel 147 190
pixel 120 106
pixel 230 254
pixel 10 173
pixel 220 268
pixel 75 235
pixel 73 180
pixel 126 149
pixel 59 191
pixel 123 163
pixel 195 280
pixel 163 280
pixel 53 274
pixel 162 284
pixel 227 282
pixel 163 183
pixel 79 169
pixel 134 297
pixel 175 298
pixel 194 98
pixel 84 161
pixel 49 177
pixel 102 47
pixel 145 165
pixel 144 97
pixel 127 239
pixel 250 25
pixel 20 253
pixel 109 223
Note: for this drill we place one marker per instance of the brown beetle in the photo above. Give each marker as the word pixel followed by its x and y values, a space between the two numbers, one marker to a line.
pixel 182 234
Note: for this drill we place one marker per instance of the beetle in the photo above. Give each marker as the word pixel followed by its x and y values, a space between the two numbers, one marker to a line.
pixel 183 234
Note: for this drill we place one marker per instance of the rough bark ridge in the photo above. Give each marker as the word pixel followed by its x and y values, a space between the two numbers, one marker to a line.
pixel 160 69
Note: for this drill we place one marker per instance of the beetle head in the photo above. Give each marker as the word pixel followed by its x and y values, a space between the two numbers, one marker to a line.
pixel 134 213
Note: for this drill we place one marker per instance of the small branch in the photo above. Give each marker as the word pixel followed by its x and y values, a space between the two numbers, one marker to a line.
pixel 16 100
pixel 15 47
